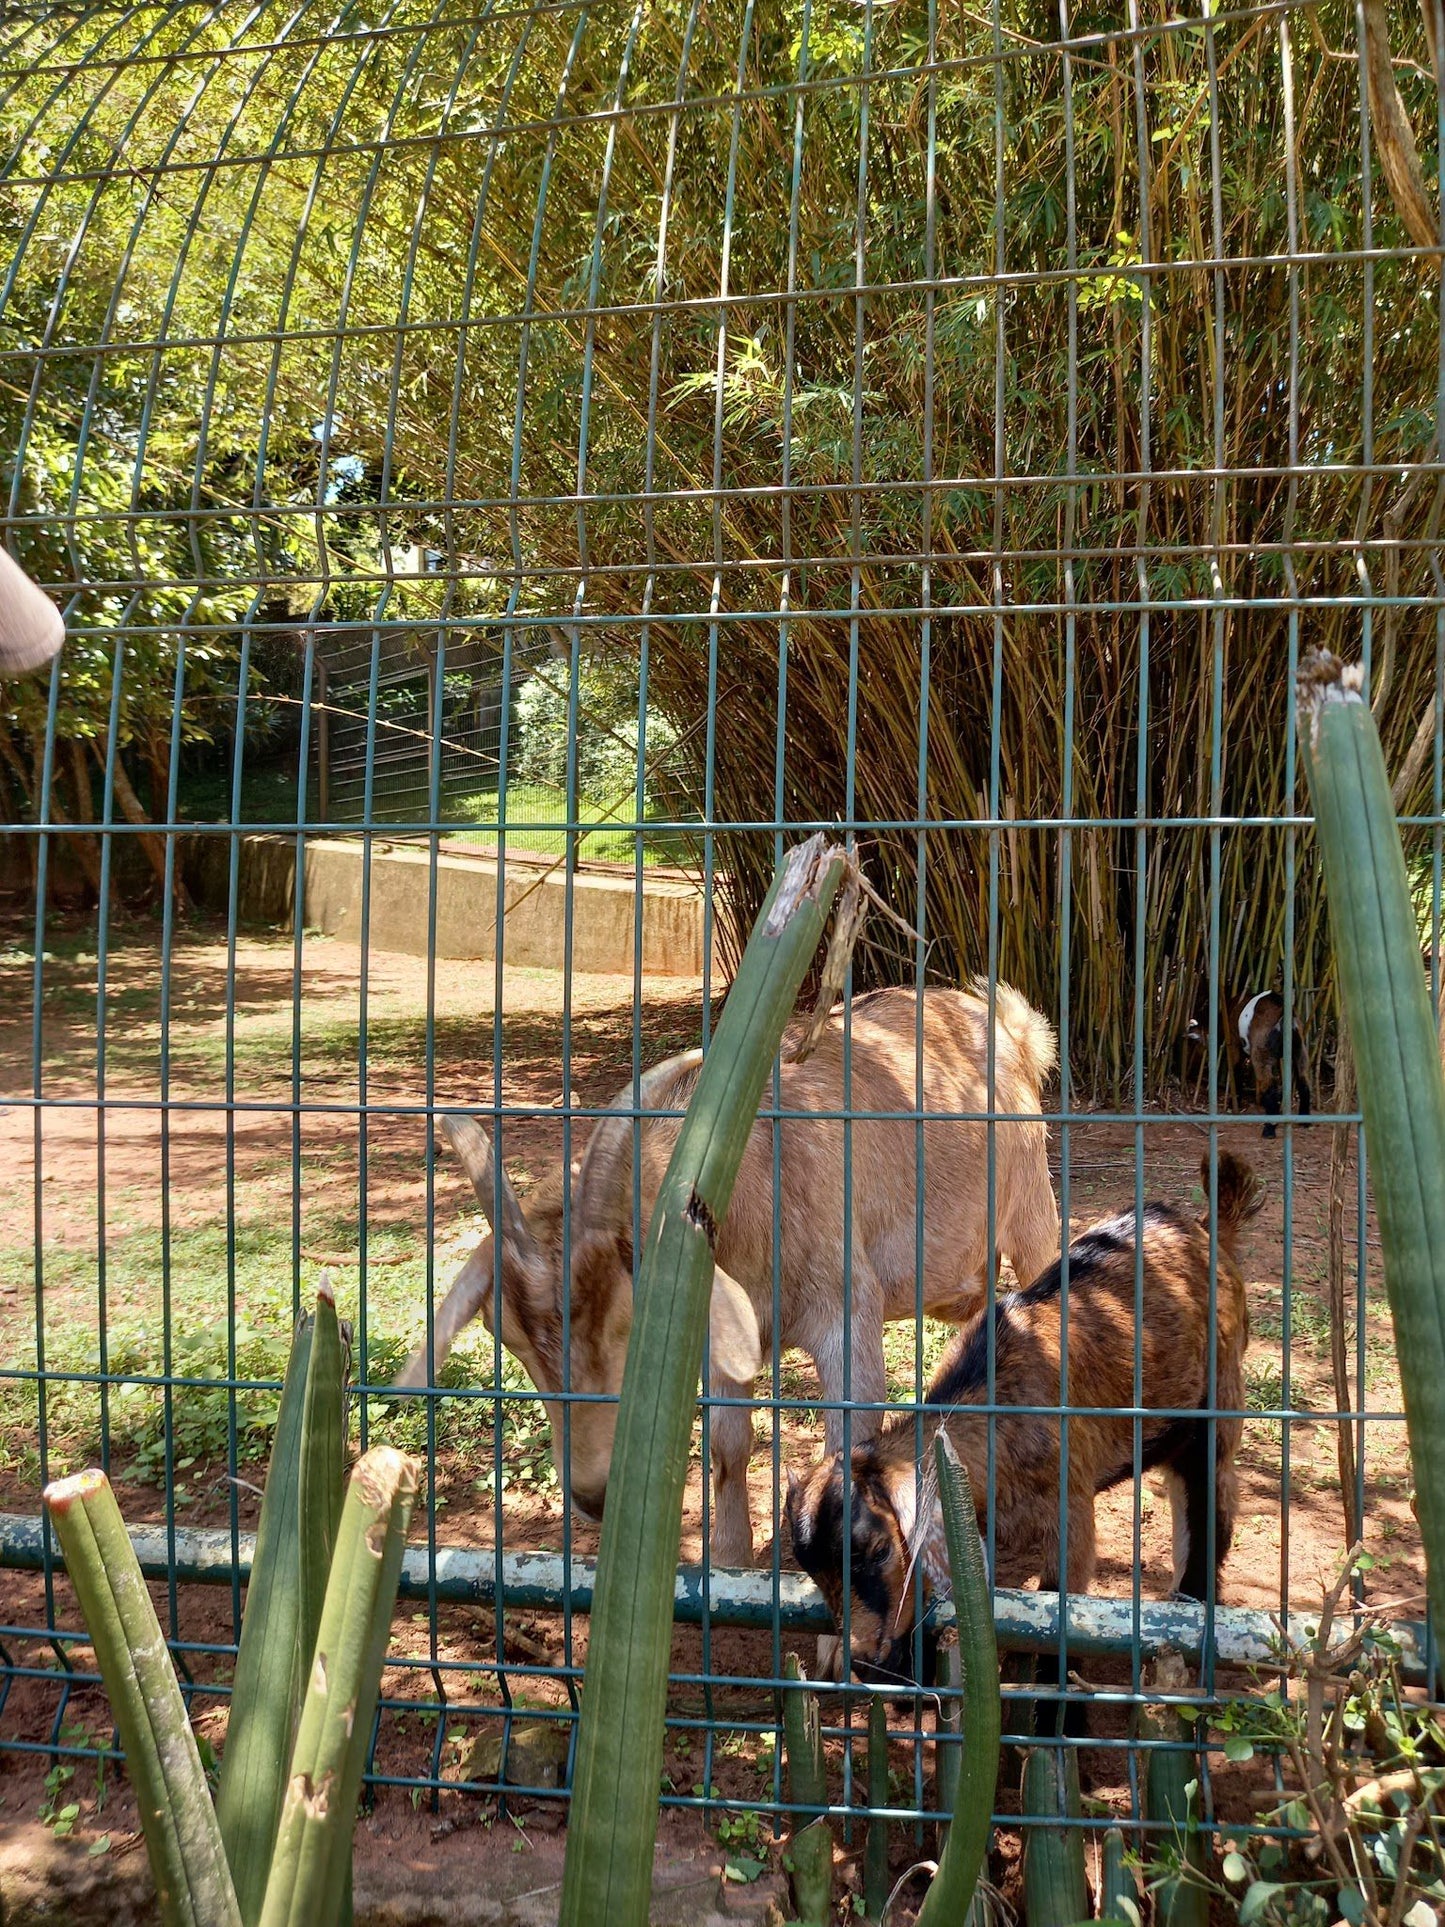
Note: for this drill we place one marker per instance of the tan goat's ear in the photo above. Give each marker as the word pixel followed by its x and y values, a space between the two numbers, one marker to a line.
pixel 737 1346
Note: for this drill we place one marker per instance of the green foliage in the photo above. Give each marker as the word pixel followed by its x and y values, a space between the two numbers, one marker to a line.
pixel 607 734
pixel 327 397
pixel 1356 1835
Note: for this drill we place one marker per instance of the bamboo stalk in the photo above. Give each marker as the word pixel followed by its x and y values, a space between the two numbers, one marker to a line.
pixel 183 1841
pixel 610 1838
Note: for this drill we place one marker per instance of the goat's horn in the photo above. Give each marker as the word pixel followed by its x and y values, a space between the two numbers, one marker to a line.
pixel 473 1149
pixel 604 1184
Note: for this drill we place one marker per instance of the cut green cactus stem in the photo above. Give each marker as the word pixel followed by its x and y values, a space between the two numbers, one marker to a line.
pixel 1118 1889
pixel 809 1853
pixel 808 1856
pixel 1171 1801
pixel 875 1855
pixel 612 1830
pixel 1056 1884
pixel 966 1848
pixel 1402 1095
pixel 183 1841
pixel 294 1541
pixel 309 1869
pixel 949 1724
pixel 803 1734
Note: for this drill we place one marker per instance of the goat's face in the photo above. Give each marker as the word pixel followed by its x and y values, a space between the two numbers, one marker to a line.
pixel 879 1574
pixel 569 1327
pixel 566 1343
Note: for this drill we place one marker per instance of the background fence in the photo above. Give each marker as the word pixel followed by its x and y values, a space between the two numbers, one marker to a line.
pixel 717 422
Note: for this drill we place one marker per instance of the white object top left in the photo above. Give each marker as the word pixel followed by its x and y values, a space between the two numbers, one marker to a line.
pixel 31 630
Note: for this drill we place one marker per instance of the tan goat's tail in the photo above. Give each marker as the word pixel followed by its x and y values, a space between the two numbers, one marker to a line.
pixel 1240 1196
pixel 1032 1034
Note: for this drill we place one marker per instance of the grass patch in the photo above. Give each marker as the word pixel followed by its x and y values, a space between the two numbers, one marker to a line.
pixel 269 794
pixel 198 1420
pixel 529 803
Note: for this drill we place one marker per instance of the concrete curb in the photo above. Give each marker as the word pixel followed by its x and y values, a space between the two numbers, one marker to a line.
pixel 372 884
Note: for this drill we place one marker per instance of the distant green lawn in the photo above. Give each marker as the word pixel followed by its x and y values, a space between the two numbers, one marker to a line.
pixel 268 795
pixel 529 803
pixel 77 1412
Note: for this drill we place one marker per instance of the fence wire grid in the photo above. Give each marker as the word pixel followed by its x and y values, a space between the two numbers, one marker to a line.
pixel 509 472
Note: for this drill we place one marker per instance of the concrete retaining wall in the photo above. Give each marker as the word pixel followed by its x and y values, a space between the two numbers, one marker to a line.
pixel 535 927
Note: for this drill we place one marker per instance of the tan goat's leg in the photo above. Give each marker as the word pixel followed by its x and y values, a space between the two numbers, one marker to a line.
pixel 731 1542
pixel 866 1384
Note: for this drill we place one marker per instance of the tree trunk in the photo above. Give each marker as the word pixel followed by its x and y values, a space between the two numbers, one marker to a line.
pixel 154 846
pixel 23 798
pixel 87 847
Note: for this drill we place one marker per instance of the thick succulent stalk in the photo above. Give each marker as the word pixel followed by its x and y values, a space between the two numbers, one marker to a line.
pixel 294 1541
pixel 183 1841
pixel 1056 1884
pixel 808 1856
pixel 1118 1889
pixel 613 1827
pixel 1171 1801
pixel 313 1845
pixel 966 1848
pixel 875 1854
pixel 1402 1095
pixel 947 1728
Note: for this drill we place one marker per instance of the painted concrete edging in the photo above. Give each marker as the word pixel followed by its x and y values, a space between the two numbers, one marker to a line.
pixel 397 916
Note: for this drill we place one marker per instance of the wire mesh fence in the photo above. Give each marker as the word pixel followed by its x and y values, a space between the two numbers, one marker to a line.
pixel 509 471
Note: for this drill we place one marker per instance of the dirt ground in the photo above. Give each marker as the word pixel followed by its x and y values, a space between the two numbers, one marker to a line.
pixel 241 1151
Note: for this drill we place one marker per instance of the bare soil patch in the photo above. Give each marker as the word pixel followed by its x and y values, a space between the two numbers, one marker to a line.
pixel 249 1139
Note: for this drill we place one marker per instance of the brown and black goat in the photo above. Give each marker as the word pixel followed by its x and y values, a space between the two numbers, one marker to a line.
pixel 895 1522
pixel 897 1054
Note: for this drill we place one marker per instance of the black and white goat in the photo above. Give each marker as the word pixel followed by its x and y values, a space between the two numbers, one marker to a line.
pixel 1256 1044
pixel 1260 1028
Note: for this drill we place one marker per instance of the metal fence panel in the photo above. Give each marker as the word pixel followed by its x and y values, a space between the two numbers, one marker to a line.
pixel 508 472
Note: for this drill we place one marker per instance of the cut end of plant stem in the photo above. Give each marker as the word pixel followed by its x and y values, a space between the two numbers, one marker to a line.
pixel 1324 678
pixel 383 1475
pixel 806 866
pixel 61 1493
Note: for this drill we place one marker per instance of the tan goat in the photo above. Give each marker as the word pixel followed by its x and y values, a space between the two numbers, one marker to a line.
pixel 812 1280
